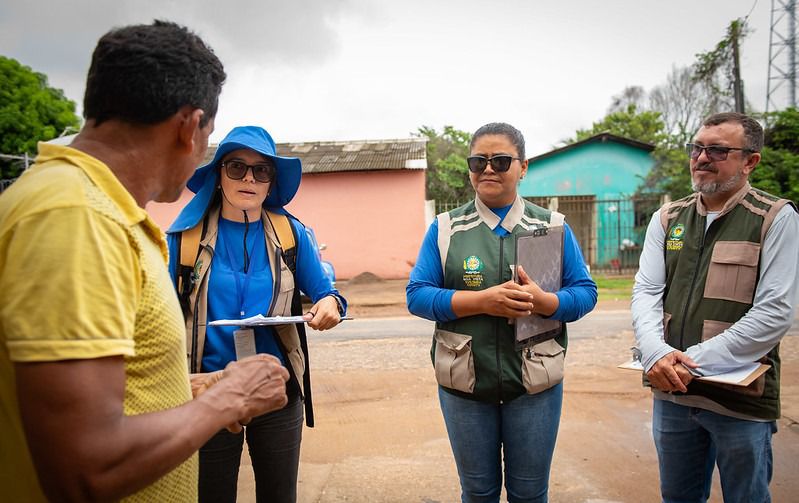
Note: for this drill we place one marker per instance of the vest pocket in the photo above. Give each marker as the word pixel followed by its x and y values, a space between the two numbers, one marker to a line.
pixel 732 273
pixel 454 361
pixel 286 293
pixel 712 328
pixel 542 366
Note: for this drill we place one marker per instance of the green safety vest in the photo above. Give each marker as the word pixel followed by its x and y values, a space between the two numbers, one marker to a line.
pixel 475 258
pixel 711 279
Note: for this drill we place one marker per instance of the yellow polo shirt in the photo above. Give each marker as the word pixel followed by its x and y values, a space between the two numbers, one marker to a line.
pixel 83 275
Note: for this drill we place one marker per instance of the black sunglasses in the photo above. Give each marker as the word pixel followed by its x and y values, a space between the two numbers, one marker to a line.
pixel 499 163
pixel 713 152
pixel 236 170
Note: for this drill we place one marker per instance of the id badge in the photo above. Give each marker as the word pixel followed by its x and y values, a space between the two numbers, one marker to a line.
pixel 244 339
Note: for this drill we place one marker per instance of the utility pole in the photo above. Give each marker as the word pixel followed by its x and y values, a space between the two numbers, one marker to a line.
pixel 782 46
pixel 737 83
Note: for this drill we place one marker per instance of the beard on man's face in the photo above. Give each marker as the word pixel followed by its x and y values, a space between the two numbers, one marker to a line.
pixel 716 186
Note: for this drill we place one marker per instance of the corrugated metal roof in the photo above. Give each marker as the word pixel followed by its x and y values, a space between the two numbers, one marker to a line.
pixel 365 155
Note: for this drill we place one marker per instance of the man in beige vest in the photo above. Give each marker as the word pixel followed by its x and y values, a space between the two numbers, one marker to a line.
pixel 715 291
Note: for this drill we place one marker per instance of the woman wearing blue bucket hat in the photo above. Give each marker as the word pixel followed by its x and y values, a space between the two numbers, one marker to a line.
pixel 234 253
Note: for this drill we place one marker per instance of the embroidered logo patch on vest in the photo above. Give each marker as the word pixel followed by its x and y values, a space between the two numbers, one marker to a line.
pixel 674 243
pixel 195 275
pixel 472 271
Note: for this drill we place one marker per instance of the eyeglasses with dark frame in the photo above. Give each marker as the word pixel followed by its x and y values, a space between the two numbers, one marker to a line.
pixel 713 152
pixel 263 172
pixel 499 163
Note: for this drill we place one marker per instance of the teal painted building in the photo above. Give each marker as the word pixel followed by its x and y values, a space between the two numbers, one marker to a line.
pixel 592 182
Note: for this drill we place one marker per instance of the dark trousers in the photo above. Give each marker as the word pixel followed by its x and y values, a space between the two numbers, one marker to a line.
pixel 273 441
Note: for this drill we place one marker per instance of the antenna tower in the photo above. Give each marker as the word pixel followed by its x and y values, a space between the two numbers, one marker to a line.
pixel 782 55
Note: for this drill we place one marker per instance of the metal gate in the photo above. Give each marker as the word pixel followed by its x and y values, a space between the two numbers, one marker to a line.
pixel 610 231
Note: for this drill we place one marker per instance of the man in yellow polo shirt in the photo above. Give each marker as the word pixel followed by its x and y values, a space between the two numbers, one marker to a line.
pixel 95 401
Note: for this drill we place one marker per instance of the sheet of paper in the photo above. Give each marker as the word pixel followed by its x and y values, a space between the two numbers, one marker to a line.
pixel 632 365
pixel 260 320
pixel 741 377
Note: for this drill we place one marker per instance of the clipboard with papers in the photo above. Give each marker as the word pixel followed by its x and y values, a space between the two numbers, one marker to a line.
pixel 741 376
pixel 260 320
pixel 540 252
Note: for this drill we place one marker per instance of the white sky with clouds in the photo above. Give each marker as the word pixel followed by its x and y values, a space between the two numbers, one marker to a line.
pixel 368 69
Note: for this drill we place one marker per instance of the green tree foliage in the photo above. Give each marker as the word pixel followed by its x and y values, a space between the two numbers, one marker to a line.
pixel 447 172
pixel 670 172
pixel 778 171
pixel 716 69
pixel 783 130
pixel 642 125
pixel 675 111
pixel 30 111
pixel 670 175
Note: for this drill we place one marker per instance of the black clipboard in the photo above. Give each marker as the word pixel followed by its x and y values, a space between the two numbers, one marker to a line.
pixel 540 252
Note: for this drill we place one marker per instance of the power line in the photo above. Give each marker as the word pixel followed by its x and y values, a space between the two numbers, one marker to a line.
pixel 751 10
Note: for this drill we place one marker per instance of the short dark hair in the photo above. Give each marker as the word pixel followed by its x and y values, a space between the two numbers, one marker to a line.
pixel 513 134
pixel 143 74
pixel 753 131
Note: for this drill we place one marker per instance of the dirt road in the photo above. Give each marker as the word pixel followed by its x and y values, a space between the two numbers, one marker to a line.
pixel 380 436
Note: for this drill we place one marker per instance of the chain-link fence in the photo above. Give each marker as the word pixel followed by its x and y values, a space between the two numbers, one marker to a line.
pixel 610 231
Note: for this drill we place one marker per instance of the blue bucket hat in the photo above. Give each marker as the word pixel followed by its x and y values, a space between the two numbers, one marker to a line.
pixel 288 169
pixel 205 179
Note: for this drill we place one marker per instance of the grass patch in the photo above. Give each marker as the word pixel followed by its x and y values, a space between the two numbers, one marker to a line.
pixel 614 287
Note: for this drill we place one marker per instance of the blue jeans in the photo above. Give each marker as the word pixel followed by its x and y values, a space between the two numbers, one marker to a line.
pixel 524 430
pixel 274 444
pixel 690 441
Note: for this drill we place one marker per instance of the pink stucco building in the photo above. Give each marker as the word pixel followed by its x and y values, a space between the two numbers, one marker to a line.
pixel 365 200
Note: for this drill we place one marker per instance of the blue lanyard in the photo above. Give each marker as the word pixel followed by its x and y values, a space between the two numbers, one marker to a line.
pixel 241 293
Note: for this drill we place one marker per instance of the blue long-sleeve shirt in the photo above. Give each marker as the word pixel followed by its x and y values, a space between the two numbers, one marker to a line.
pixel 224 299
pixel 428 299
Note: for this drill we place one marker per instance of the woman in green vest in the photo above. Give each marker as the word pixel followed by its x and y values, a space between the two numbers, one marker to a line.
pixel 499 401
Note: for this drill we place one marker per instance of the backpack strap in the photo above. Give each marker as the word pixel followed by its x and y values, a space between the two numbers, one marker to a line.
pixel 189 250
pixel 285 236
pixel 296 310
pixel 288 243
